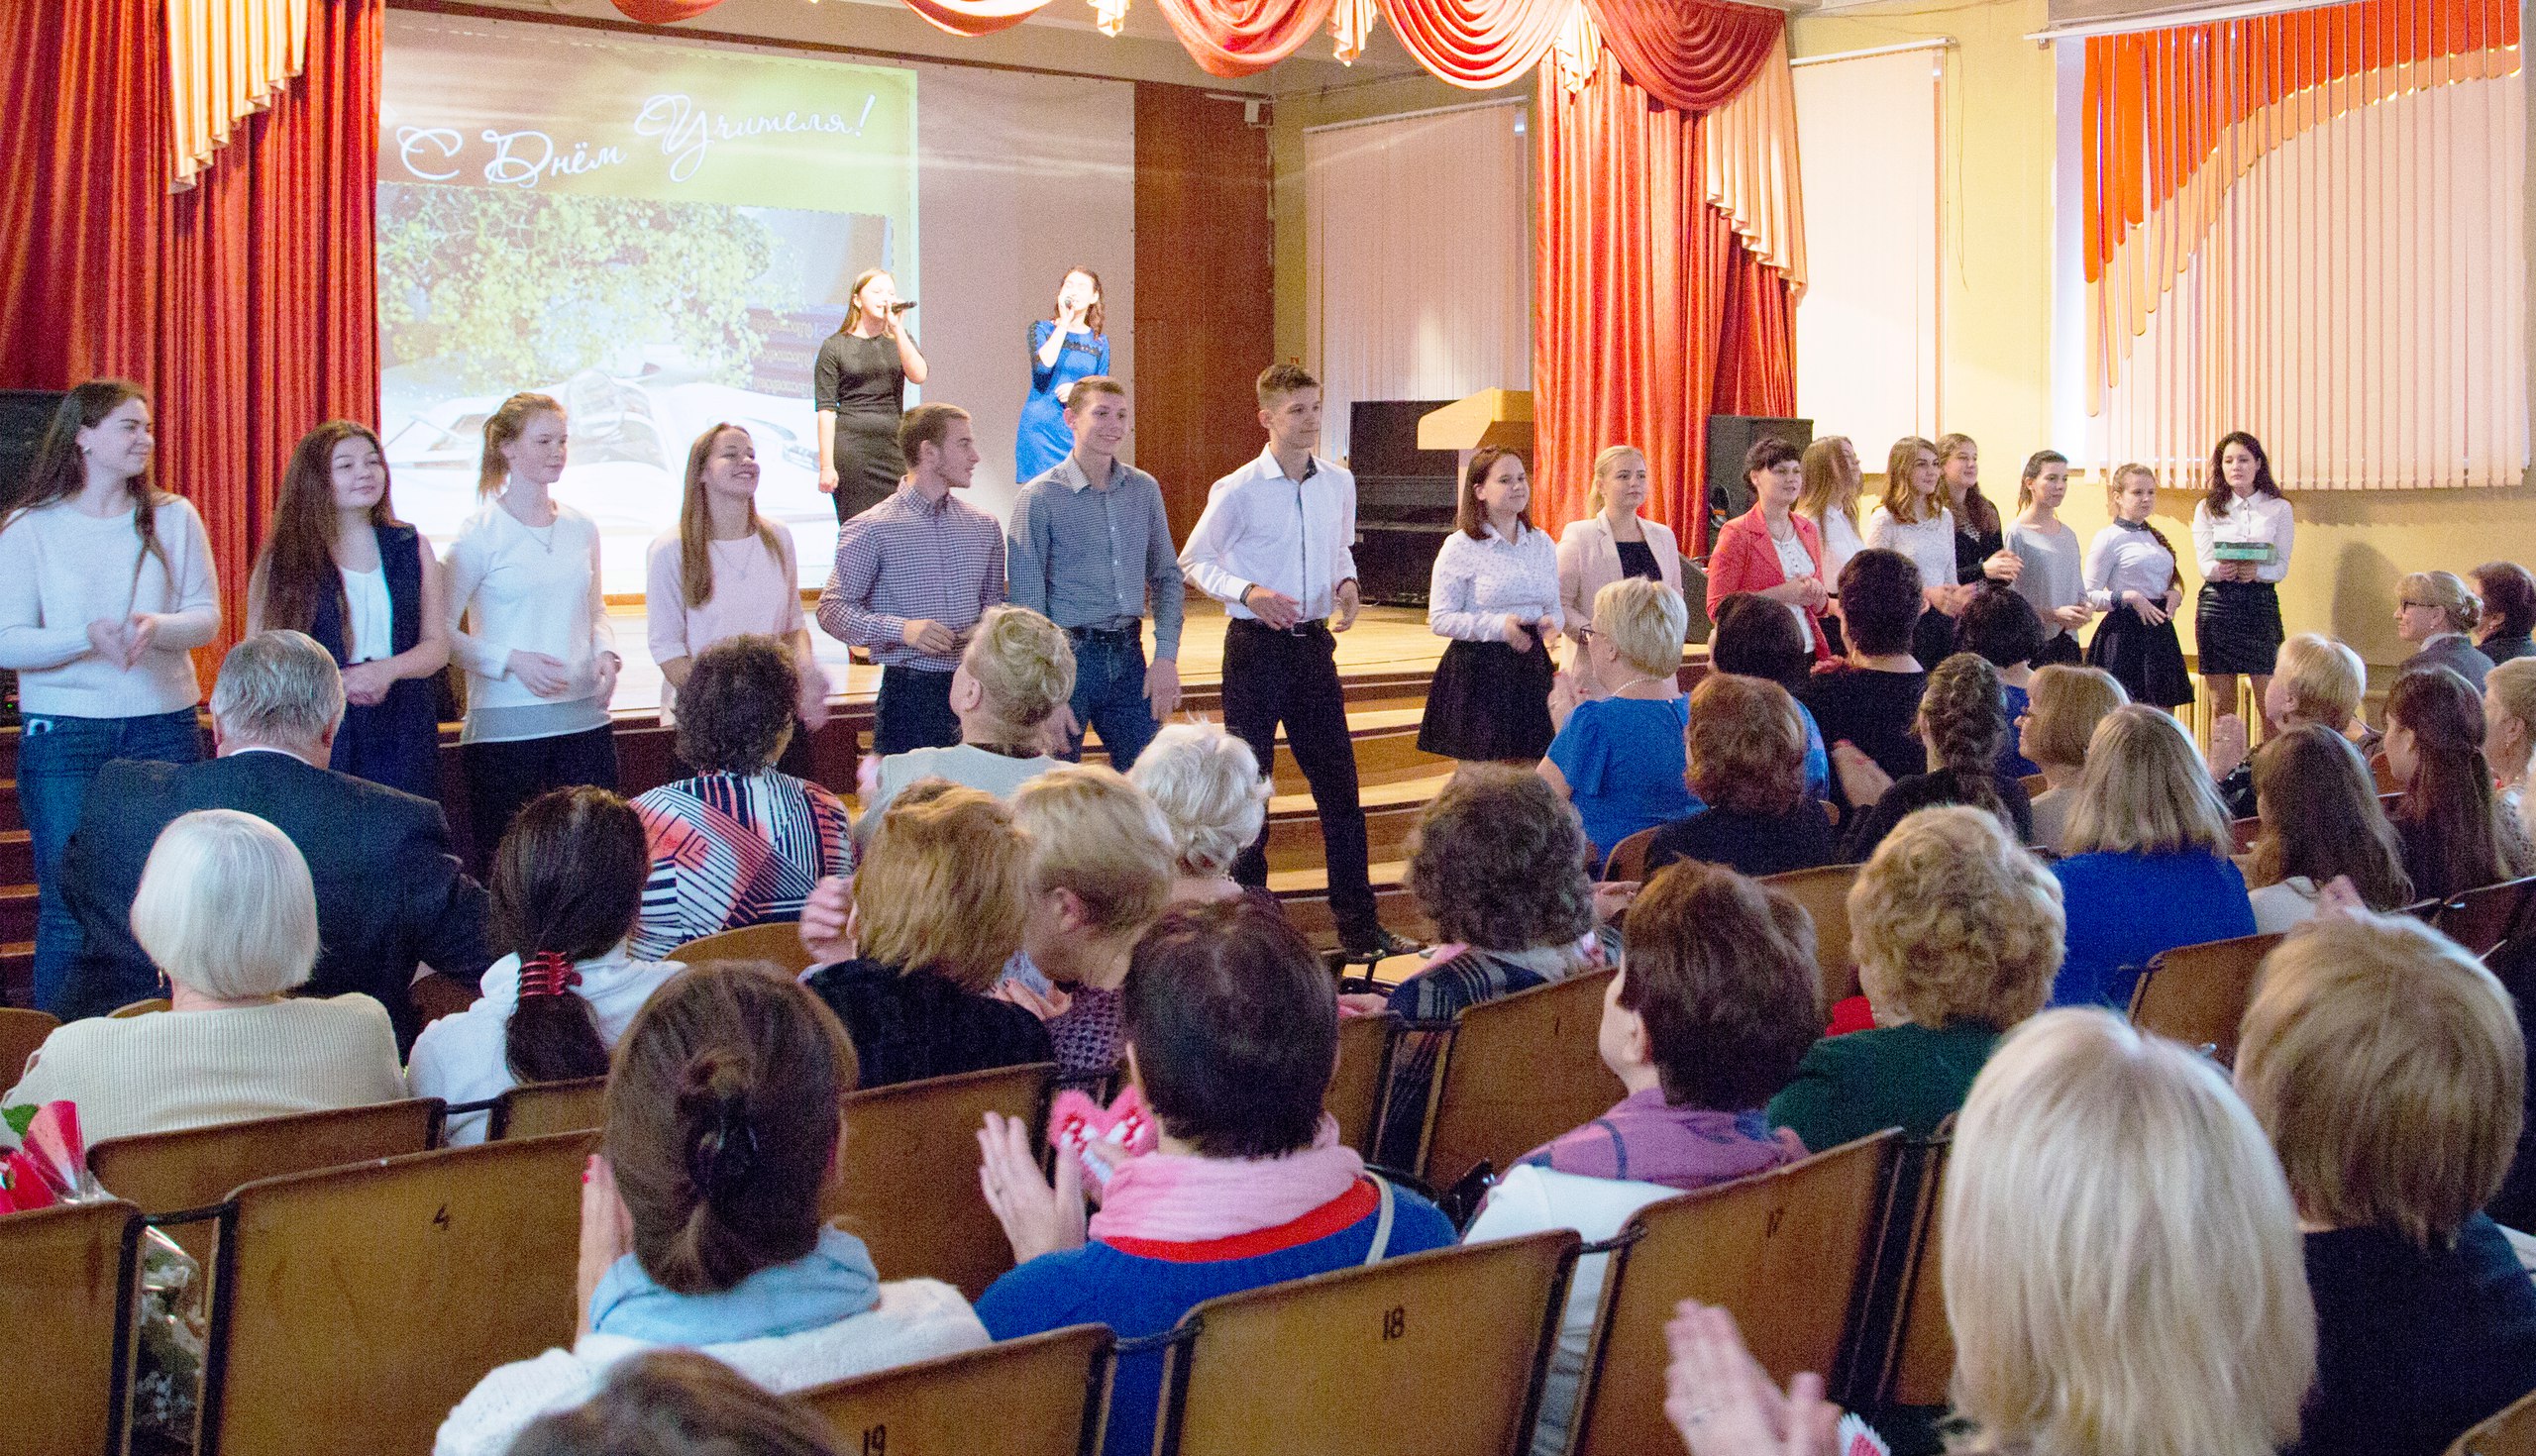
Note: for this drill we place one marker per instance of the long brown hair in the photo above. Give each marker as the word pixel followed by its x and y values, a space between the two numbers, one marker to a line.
pixel 722 1122
pixel 2219 497
pixel 1469 514
pixel 296 569
pixel 1907 505
pixel 696 523
pixel 1829 484
pixel 567 881
pixel 1978 515
pixel 504 426
pixel 2448 816
pixel 60 473
pixel 2321 818
pixel 1093 317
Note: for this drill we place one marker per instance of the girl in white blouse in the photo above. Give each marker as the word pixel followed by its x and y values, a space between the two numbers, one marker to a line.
pixel 1914 520
pixel 2053 575
pixel 528 622
pixel 2242 535
pixel 2130 578
pixel 1496 593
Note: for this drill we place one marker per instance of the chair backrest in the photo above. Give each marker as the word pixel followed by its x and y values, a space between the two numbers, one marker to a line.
pixel 163 1172
pixel 1919 1345
pixel 2510 1433
pixel 1356 1095
pixel 365 1301
pixel 65 1304
pixel 544 1109
pixel 139 1008
pixel 2242 834
pixel 2034 784
pixel 2481 919
pixel 1824 894
pixel 908 1181
pixel 1441 1351
pixel 778 941
pixel 1784 1252
pixel 20 1032
pixel 2197 994
pixel 1520 1071
pixel 1044 1395
pixel 1629 857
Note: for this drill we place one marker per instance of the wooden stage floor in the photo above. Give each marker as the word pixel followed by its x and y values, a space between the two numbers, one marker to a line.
pixel 1384 640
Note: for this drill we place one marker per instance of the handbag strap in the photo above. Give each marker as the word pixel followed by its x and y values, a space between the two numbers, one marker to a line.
pixel 1382 1220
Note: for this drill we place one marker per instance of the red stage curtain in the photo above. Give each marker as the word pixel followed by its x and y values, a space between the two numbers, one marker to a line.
pixel 247 305
pixel 1650 312
pixel 1477 44
pixel 663 12
pixel 1688 55
pixel 1240 38
pixel 959 17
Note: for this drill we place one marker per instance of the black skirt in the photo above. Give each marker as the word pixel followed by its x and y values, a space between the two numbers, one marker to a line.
pixel 2147 661
pixel 1489 702
pixel 2237 628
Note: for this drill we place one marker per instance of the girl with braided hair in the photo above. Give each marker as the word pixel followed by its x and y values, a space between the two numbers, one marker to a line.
pixel 1963 724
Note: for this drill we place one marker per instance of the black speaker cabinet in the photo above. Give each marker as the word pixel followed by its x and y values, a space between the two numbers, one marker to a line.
pixel 1729 436
pixel 24 413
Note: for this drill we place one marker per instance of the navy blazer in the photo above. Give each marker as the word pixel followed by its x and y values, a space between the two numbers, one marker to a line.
pixel 390 892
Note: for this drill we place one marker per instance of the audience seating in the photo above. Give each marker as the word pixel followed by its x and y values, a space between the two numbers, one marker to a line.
pixel 364 1302
pixel 1628 862
pixel 2243 833
pixel 544 1109
pixel 20 1032
pixel 2510 1433
pixel 1824 894
pixel 1043 1395
pixel 1784 1252
pixel 193 1170
pixel 1441 1351
pixel 139 1007
pixel 2033 784
pixel 1518 1072
pixel 65 1306
pixel 1356 1095
pixel 778 942
pixel 2197 994
pixel 1905 1355
pixel 2481 919
pixel 441 994
pixel 907 1182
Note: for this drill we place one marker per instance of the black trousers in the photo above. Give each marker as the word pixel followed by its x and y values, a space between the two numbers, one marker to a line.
pixel 913 711
pixel 501 777
pixel 1273 676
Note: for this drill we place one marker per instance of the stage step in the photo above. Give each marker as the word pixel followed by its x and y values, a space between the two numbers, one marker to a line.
pixel 9 806
pixel 17 856
pixel 1306 893
pixel 1392 810
pixel 17 975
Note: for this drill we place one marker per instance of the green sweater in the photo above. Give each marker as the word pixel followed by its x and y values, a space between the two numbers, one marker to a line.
pixel 1905 1076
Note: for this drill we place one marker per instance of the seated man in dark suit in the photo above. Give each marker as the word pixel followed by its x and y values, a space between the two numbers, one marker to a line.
pixel 391 899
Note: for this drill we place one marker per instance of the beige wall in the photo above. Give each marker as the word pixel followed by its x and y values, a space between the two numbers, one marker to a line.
pixel 1998 143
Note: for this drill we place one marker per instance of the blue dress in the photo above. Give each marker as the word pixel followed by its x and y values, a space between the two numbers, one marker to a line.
pixel 2124 908
pixel 1044 439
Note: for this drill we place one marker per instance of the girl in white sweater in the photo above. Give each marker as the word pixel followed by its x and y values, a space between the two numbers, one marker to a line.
pixel 528 622
pixel 105 589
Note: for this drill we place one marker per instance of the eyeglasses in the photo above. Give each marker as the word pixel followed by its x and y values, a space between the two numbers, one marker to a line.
pixel 2427 607
pixel 1582 635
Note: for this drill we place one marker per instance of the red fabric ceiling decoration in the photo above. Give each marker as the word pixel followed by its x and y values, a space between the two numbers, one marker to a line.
pixel 1240 38
pixel 1478 44
pixel 973 17
pixel 1688 55
pixel 663 12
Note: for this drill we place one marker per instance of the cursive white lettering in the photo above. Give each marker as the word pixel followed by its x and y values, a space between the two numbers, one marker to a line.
pixel 416 146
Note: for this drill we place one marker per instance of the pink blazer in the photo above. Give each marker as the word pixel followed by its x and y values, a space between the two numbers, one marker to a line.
pixel 1745 559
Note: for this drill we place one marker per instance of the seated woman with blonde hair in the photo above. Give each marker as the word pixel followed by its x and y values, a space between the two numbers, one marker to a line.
pixel 701 1217
pixel 1098 872
pixel 1618 756
pixel 227 911
pixel 2321 822
pixel 2060 714
pixel 2387 1068
pixel 937 909
pixel 2122 1270
pixel 1956 929
pixel 1209 786
pixel 2317 681
pixel 2437 612
pixel 1014 674
pixel 2146 866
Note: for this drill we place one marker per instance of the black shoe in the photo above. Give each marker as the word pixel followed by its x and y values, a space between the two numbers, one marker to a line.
pixel 1379 946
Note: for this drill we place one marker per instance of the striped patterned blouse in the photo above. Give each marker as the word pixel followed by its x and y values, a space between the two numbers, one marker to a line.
pixel 731 850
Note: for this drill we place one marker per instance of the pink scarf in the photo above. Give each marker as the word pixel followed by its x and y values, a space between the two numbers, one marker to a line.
pixel 1172 1197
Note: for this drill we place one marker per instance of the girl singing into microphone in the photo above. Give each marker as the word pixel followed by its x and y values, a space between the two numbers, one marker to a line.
pixel 860 390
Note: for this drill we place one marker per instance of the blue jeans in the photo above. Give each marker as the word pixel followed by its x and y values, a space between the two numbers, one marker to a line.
pixel 1109 693
pixel 57 756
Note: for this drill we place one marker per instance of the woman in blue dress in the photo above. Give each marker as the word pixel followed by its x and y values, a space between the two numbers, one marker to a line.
pixel 1064 349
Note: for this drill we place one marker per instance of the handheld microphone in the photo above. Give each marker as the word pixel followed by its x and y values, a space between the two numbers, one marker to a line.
pixel 902 305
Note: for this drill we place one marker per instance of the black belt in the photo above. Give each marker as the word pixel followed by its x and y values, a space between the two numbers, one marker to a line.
pixel 1299 629
pixel 1131 632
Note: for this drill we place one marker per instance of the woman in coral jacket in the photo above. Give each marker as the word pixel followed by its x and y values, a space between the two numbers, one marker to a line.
pixel 1769 550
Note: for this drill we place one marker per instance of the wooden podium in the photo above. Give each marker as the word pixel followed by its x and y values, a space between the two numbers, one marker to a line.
pixel 1492 417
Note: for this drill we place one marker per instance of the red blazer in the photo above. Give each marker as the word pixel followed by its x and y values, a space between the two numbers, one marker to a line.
pixel 1745 559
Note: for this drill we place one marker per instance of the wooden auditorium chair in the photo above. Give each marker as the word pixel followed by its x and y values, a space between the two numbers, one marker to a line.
pixel 365 1302
pixel 907 1180
pixel 544 1109
pixel 2197 994
pixel 2481 919
pixel 1785 1252
pixel 1047 1395
pixel 1824 894
pixel 778 942
pixel 66 1302
pixel 1905 1355
pixel 1356 1095
pixel 20 1032
pixel 1518 1072
pixel 2510 1433
pixel 1627 861
pixel 1435 1352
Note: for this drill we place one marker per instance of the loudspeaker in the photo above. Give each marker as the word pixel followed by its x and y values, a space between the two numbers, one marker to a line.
pixel 24 414
pixel 1729 436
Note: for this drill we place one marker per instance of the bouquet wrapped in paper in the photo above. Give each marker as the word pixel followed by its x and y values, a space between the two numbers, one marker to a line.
pixel 50 1166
